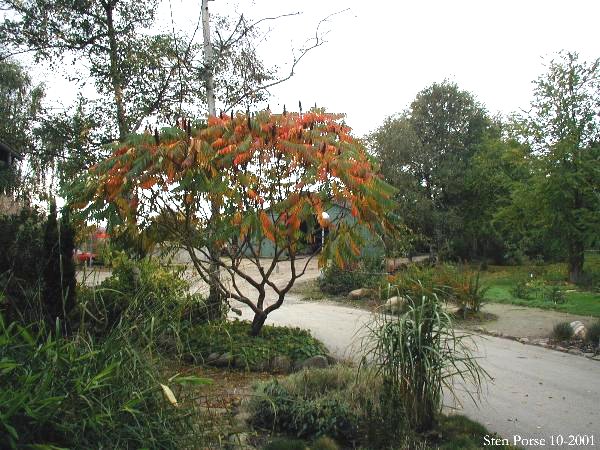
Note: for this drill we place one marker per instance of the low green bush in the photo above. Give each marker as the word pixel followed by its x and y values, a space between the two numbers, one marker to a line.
pixel 554 294
pixel 313 403
pixel 522 290
pixel 340 281
pixel 462 287
pixel 234 337
pixel 452 283
pixel 78 392
pixel 562 331
pixel 138 289
pixel 593 334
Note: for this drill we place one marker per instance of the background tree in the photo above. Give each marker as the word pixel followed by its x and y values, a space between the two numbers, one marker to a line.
pixel 138 73
pixel 20 111
pixel 426 152
pixel 563 132
pixel 134 72
pixel 272 177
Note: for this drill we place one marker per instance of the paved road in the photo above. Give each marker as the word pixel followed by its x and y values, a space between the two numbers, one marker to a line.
pixel 535 393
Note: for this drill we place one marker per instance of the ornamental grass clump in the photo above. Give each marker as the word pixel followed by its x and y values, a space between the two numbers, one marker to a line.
pixel 562 331
pixel 418 354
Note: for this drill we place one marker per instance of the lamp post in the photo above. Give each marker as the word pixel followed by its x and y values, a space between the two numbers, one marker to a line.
pixel 325 218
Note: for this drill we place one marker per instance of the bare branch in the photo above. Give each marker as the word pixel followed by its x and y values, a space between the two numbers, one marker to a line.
pixel 317 41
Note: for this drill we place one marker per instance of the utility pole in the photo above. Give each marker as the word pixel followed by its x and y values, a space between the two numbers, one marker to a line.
pixel 208 60
pixel 215 304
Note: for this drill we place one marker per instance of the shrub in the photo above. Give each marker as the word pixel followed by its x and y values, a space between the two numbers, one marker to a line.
pixel 82 393
pixel 554 294
pixel 333 402
pixel 234 338
pixel 522 290
pixel 139 289
pixel 37 274
pixel 562 331
pixel 417 354
pixel 22 265
pixel 340 281
pixel 59 270
pixel 411 282
pixel 462 287
pixel 593 334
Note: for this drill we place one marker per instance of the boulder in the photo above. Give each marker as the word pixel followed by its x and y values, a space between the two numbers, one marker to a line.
pixel 239 362
pixel 238 440
pixel 579 330
pixel 261 366
pixel 212 357
pixel 395 305
pixel 281 364
pixel 314 362
pixel 358 294
pixel 225 360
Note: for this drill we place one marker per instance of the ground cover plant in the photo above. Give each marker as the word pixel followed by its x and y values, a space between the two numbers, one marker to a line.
pixel 311 403
pixel 234 338
pixel 339 400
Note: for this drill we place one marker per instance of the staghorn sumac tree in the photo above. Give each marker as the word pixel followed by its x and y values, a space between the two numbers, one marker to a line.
pixel 272 177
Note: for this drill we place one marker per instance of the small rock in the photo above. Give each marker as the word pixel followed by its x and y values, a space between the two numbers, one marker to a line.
pixel 261 366
pixel 357 294
pixel 575 351
pixel 225 360
pixel 238 440
pixel 596 358
pixel 314 362
pixel 214 411
pixel 560 349
pixel 523 340
pixel 241 419
pixel 395 305
pixel 281 364
pixel 578 328
pixel 479 329
pixel 588 355
pixel 212 357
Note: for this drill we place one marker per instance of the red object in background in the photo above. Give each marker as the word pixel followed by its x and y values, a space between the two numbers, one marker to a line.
pixel 84 257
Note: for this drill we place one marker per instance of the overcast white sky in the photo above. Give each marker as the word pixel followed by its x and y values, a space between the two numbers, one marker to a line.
pixel 379 54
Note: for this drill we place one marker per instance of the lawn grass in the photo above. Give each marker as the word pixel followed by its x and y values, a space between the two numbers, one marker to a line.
pixel 577 300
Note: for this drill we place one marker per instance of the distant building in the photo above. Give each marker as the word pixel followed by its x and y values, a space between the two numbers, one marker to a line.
pixel 372 245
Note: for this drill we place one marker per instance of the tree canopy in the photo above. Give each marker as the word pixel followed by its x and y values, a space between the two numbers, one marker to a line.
pixel 272 177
